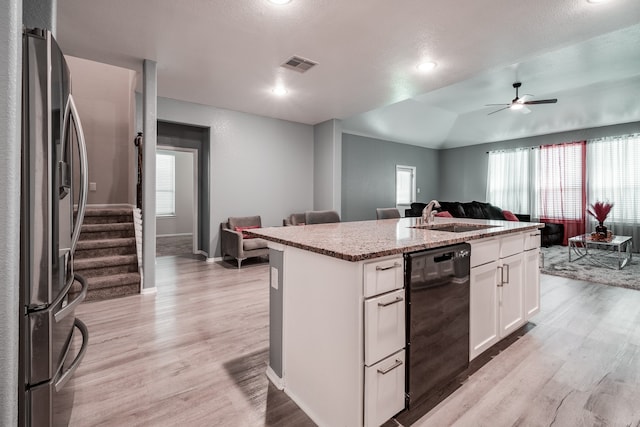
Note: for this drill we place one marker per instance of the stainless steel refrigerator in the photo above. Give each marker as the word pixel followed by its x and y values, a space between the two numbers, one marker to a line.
pixel 51 139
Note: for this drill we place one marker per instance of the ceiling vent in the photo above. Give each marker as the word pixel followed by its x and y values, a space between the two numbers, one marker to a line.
pixel 299 64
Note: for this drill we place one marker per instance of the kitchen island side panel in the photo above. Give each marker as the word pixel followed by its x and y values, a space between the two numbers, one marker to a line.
pixel 323 336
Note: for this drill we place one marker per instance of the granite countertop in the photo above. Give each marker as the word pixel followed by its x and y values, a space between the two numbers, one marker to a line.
pixel 361 240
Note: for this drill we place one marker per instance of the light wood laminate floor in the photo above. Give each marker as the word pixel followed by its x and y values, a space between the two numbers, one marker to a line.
pixel 195 353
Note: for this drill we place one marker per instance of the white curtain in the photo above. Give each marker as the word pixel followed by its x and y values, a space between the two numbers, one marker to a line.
pixel 508 180
pixel 613 175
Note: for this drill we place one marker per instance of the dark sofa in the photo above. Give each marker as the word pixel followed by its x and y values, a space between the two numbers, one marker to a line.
pixel 552 234
pixel 475 210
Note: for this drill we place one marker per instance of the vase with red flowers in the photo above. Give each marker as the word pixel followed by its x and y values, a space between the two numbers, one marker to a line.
pixel 600 211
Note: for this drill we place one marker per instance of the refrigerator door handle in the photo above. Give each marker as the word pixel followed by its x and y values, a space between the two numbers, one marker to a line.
pixel 76 362
pixel 77 300
pixel 82 148
pixel 65 181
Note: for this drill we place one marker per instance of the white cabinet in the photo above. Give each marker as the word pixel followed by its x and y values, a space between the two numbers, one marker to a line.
pixel 531 282
pixel 511 307
pixel 483 312
pixel 384 389
pixel 384 340
pixel 504 289
pixel 384 326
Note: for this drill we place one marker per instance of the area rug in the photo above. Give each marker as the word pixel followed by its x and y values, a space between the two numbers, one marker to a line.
pixel 556 263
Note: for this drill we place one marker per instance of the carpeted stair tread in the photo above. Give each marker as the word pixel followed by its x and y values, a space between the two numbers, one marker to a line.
pixel 107 211
pixel 94 228
pixel 85 245
pixel 109 219
pixel 113 292
pixel 102 282
pixel 102 262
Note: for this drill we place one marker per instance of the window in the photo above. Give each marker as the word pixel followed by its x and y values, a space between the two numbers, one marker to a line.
pixel 165 184
pixel 613 176
pixel 405 185
pixel 508 180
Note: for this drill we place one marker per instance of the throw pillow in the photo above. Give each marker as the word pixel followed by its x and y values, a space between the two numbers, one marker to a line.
pixel 248 227
pixel 509 216
pixel 444 214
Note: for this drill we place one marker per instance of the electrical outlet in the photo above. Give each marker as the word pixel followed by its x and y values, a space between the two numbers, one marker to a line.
pixel 92 186
pixel 418 190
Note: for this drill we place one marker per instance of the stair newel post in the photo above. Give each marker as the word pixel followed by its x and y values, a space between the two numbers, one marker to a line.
pixel 138 142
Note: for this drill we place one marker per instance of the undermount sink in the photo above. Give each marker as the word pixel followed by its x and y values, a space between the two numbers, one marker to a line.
pixel 454 227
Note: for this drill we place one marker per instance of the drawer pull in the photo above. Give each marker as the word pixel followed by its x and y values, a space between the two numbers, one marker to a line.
pixel 395 265
pixel 534 235
pixel 390 368
pixel 387 304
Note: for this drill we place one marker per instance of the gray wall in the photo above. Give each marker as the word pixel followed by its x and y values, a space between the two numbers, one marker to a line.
pixel 463 174
pixel 10 116
pixel 40 14
pixel 369 174
pixel 327 169
pixel 182 222
pixel 103 94
pixel 259 166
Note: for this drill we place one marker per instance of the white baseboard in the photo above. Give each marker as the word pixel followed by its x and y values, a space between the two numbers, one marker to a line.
pixel 215 259
pixel 149 291
pixel 275 379
pixel 201 252
pixel 174 235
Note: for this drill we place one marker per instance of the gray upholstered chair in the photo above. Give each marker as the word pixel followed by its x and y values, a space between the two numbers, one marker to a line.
pixel 233 243
pixel 294 219
pixel 321 217
pixel 387 213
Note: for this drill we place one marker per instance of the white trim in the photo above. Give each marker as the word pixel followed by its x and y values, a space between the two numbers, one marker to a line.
pixel 149 291
pixel 174 235
pixel 214 259
pixel 274 378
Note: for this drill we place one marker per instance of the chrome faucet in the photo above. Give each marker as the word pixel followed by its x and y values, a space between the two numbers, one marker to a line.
pixel 427 212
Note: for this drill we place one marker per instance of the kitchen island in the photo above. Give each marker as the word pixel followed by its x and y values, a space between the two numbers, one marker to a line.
pixel 337 307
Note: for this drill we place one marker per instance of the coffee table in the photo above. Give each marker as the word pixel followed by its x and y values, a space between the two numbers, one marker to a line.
pixel 598 251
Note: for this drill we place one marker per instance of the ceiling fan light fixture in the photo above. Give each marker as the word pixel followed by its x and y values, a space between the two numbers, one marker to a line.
pixel 425 67
pixel 516 106
pixel 597 1
pixel 279 2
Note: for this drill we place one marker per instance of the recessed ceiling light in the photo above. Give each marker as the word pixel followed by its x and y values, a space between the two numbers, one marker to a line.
pixel 427 66
pixel 279 91
pixel 280 1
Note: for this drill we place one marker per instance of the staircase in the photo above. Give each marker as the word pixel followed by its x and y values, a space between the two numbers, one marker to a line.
pixel 106 254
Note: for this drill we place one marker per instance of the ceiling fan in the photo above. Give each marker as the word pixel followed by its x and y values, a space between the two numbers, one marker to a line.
pixel 519 104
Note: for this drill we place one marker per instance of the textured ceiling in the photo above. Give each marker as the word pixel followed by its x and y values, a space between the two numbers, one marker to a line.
pixel 227 53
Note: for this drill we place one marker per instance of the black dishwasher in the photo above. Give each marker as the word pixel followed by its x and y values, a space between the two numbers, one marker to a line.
pixel 437 286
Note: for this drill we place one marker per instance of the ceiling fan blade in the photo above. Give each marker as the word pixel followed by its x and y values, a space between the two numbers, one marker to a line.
pixel 541 101
pixel 495 105
pixel 493 112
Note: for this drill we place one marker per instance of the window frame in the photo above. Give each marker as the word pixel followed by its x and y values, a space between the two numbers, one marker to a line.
pixel 171 189
pixel 413 184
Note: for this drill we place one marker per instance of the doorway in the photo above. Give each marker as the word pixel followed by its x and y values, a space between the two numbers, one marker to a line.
pixel 190 228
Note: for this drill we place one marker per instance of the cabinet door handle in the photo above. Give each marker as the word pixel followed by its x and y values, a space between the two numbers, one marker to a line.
pixel 387 304
pixel 395 265
pixel 534 235
pixel 390 368
pixel 500 282
pixel 506 281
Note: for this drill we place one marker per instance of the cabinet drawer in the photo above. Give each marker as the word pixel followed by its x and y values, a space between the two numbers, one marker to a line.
pixel 383 276
pixel 384 326
pixel 484 251
pixel 532 239
pixel 384 390
pixel 511 245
